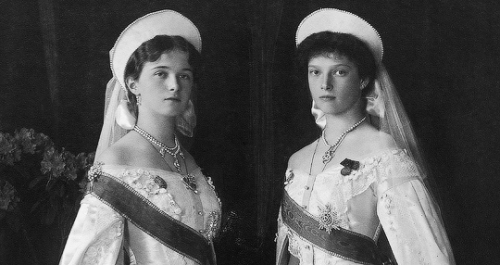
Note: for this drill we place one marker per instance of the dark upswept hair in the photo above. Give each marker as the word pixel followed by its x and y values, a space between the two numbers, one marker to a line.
pixel 151 50
pixel 327 42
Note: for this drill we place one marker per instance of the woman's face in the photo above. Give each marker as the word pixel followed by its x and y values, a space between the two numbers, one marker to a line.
pixel 334 83
pixel 165 85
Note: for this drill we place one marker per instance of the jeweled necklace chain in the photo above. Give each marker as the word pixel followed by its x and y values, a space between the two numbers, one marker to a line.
pixel 164 149
pixel 189 180
pixel 328 156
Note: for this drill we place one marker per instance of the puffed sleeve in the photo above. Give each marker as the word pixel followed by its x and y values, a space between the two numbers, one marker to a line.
pixel 96 236
pixel 281 241
pixel 282 232
pixel 409 216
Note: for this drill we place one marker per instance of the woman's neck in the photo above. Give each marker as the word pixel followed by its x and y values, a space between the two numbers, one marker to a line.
pixel 161 128
pixel 336 125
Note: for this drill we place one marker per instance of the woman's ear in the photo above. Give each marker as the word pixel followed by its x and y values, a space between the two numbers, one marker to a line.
pixel 132 85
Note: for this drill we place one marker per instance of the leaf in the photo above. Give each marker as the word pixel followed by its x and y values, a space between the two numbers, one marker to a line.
pixel 50 184
pixel 35 182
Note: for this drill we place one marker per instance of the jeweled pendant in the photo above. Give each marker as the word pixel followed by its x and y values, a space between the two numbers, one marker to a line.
pixel 327 157
pixel 177 165
pixel 190 183
pixel 162 151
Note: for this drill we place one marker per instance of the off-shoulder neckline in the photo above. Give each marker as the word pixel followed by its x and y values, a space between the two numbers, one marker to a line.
pixel 195 171
pixel 362 160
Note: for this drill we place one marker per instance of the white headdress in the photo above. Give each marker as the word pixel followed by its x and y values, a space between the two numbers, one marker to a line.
pixel 384 107
pixel 117 117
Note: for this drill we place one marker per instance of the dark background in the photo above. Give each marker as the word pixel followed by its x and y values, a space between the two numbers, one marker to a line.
pixel 253 111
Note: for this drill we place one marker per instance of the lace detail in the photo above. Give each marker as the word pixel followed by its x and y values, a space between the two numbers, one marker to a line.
pixel 398 165
pixel 392 164
pixel 390 181
pixel 293 244
pixel 154 188
pixel 97 252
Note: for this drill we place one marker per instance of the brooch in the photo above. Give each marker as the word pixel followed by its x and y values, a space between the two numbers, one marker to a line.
pixel 329 219
pixel 93 174
pixel 160 182
pixel 349 166
pixel 190 183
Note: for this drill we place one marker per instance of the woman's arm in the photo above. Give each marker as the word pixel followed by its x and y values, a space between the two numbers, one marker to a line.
pixel 96 236
pixel 410 218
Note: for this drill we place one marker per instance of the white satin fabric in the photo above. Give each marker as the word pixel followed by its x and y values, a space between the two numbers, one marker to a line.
pixel 97 236
pixel 386 191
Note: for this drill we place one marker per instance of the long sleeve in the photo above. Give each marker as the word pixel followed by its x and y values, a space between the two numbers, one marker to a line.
pixel 96 236
pixel 281 241
pixel 409 217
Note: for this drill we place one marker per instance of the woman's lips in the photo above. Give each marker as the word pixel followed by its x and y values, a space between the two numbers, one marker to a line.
pixel 327 98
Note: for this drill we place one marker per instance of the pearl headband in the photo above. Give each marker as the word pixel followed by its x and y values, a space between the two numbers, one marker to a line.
pixel 164 22
pixel 335 20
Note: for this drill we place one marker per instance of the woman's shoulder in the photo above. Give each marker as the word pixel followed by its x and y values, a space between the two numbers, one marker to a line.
pixel 122 152
pixel 374 141
pixel 133 150
pixel 302 157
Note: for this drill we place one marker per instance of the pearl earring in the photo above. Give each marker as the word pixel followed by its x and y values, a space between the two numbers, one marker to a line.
pixel 138 98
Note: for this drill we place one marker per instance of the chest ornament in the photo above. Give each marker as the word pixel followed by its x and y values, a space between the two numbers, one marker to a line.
pixel 329 219
pixel 349 166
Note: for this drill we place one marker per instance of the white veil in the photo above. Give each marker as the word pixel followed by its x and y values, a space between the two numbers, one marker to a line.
pixel 384 107
pixel 111 132
pixel 386 112
pixel 163 22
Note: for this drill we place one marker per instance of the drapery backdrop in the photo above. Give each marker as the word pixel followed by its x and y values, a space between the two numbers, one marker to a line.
pixel 253 109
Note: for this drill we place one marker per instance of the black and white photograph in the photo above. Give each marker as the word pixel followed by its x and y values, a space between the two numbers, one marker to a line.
pixel 258 132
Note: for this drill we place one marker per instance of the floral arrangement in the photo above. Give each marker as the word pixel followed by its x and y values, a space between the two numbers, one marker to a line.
pixel 39 183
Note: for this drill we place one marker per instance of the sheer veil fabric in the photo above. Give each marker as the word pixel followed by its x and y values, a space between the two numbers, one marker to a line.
pixel 112 132
pixel 384 107
pixel 163 22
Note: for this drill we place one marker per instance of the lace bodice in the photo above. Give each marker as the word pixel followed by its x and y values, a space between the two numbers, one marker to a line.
pixel 383 191
pixel 97 236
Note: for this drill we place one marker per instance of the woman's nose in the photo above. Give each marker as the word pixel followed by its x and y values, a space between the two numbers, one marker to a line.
pixel 172 84
pixel 327 83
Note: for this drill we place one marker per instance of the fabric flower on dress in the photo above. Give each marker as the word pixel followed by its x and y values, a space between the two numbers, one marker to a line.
pixel 144 182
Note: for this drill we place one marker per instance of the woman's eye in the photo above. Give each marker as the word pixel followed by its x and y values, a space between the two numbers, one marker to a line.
pixel 184 76
pixel 314 72
pixel 161 74
pixel 341 72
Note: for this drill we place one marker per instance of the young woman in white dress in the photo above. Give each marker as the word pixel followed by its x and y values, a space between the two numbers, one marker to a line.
pixel 148 202
pixel 364 174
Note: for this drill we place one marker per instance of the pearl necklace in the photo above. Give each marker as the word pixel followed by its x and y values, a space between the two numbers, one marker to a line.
pixel 189 180
pixel 328 156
